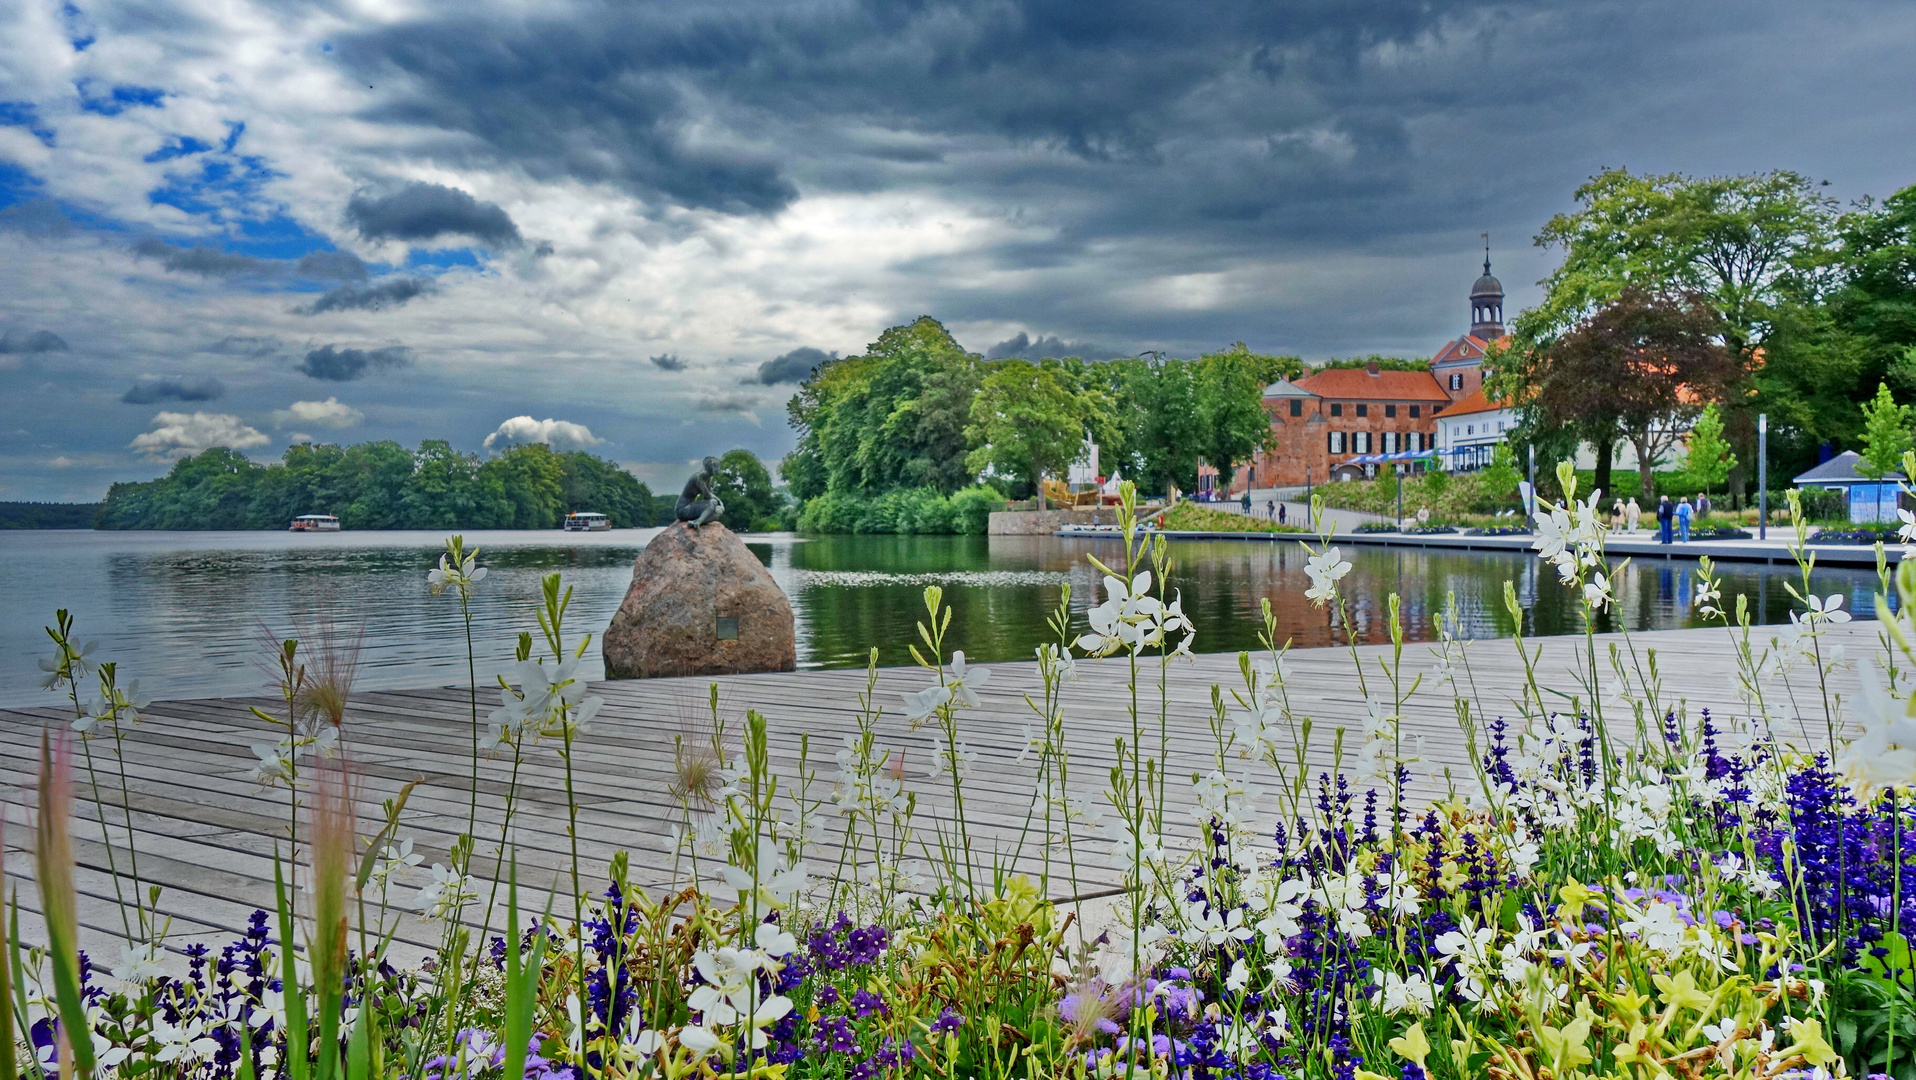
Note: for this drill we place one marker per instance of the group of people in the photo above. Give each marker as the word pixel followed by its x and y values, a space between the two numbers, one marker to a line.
pixel 1672 517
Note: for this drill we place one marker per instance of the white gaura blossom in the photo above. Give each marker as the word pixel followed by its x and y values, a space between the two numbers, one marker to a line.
pixel 1122 621
pixel 1884 755
pixel 965 681
pixel 776 884
pixel 463 575
pixel 551 701
pixel 1325 570
pixel 957 761
pixel 924 704
pixel 139 963
pixel 1396 993
pixel 445 894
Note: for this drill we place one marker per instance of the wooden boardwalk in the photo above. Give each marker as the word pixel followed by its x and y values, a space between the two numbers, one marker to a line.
pixel 207 834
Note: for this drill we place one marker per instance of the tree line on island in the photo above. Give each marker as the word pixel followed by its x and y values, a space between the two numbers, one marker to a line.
pixel 383 485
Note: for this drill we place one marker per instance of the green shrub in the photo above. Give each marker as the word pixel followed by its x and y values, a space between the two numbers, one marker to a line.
pixel 971 509
pixel 924 511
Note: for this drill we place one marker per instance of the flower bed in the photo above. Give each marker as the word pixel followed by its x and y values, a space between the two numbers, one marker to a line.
pixel 1192 517
pixel 1622 889
pixel 1862 534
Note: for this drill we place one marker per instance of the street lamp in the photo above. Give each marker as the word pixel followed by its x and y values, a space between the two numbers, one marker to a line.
pixel 1763 476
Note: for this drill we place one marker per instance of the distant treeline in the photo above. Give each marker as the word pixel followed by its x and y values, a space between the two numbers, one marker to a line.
pixel 381 485
pixel 36 515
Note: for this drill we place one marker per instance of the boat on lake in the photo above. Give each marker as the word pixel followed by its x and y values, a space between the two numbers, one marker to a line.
pixel 587 521
pixel 315 523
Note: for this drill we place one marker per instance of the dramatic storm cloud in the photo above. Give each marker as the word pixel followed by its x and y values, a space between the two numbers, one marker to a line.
pixel 420 212
pixel 652 218
pixel 148 391
pixel 373 297
pixel 794 366
pixel 332 363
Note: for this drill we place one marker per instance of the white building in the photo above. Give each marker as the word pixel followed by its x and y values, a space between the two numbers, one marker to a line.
pixel 1468 432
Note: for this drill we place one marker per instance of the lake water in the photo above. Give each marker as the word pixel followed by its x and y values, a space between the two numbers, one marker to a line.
pixel 186 613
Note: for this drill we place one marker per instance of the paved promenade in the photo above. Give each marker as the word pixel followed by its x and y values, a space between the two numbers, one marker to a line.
pixel 207 834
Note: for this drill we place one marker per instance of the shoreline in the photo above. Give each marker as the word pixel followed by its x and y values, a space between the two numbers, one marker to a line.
pixel 1769 552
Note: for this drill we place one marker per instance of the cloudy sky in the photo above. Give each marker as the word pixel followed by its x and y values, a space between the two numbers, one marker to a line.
pixel 630 226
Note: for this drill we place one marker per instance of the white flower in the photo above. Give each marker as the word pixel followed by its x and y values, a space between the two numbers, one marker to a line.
pixel 699 1039
pixel 393 858
pixel 1396 993
pixel 965 681
pixel 445 894
pixel 463 576
pixel 921 706
pixel 1885 753
pixel 774 941
pixel 1239 978
pixel 1325 571
pixel 139 963
pixel 187 1042
pixel 1596 592
pixel 1829 609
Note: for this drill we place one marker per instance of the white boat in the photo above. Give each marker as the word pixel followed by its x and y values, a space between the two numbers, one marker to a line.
pixel 315 523
pixel 587 521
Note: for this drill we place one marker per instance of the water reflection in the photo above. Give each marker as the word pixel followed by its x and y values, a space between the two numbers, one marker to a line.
pixel 184 612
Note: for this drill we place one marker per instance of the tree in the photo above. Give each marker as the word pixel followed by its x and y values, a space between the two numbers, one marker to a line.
pixel 1029 421
pixel 1885 434
pixel 1736 241
pixel 1708 461
pixel 1158 430
pixel 1230 394
pixel 892 417
pixel 1654 360
pixel 745 487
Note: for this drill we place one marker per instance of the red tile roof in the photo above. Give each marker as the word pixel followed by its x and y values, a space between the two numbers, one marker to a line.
pixel 1350 383
pixel 1475 403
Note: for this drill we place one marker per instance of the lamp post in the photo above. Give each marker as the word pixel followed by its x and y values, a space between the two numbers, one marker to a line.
pixel 1399 473
pixel 1763 476
pixel 1533 483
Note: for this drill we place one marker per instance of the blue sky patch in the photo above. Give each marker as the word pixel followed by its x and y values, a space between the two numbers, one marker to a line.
pixel 25 114
pixel 441 259
pixel 120 98
pixel 179 146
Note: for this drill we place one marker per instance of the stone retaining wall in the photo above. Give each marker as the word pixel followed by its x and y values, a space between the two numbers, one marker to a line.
pixel 1046 522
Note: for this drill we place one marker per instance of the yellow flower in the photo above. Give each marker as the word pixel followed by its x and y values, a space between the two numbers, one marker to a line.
pixel 1574 895
pixel 1565 1045
pixel 1680 992
pixel 1810 1042
pixel 1412 1045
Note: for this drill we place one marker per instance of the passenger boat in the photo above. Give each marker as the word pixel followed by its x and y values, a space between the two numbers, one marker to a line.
pixel 315 523
pixel 586 521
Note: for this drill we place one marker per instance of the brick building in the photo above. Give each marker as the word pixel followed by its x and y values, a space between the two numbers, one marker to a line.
pixel 1322 420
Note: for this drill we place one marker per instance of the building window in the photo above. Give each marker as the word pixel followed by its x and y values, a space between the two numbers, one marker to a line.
pixel 1360 441
pixel 1390 412
pixel 1470 429
pixel 1337 409
pixel 1363 410
pixel 1337 441
pixel 1297 407
pixel 1413 412
pixel 1457 380
pixel 1500 425
pixel 1416 441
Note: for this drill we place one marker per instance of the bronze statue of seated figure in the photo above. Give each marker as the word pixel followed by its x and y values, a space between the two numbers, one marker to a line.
pixel 697 504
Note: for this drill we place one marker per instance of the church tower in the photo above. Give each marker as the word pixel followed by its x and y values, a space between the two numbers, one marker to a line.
pixel 1487 304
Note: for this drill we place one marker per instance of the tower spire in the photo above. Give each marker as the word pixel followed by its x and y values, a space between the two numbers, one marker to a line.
pixel 1486 254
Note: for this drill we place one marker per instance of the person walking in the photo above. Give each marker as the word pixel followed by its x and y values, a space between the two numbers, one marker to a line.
pixel 1702 506
pixel 1684 513
pixel 1634 513
pixel 1616 514
pixel 1270 509
pixel 1280 512
pixel 1247 502
pixel 1666 514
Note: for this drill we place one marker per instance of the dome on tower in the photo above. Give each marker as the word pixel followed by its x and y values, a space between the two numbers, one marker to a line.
pixel 1487 286
pixel 1487 305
